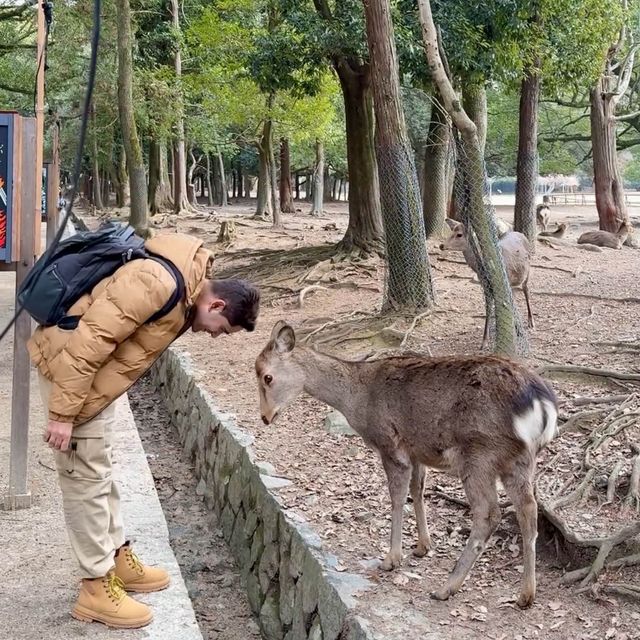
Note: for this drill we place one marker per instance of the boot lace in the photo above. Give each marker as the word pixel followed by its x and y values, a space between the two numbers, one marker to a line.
pixel 115 587
pixel 133 559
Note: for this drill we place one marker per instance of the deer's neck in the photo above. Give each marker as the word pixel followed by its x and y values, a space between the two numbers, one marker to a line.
pixel 330 380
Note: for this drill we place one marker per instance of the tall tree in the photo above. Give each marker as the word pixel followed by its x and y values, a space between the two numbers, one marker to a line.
pixel 180 195
pixel 139 216
pixel 409 277
pixel 286 195
pixel 317 201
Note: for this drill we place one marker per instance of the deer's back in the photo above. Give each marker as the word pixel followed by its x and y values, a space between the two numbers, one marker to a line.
pixel 443 410
pixel 601 239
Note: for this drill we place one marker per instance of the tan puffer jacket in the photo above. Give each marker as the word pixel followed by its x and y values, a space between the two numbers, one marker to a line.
pixel 111 348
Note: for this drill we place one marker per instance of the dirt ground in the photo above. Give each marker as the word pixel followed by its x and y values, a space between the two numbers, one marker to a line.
pixel 339 485
pixel 207 566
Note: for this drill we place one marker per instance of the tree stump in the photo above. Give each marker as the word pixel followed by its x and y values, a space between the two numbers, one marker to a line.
pixel 227 232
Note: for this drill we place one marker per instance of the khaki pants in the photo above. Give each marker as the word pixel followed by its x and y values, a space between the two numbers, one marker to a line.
pixel 89 494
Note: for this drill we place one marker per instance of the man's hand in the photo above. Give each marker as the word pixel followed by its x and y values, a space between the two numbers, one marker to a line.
pixel 58 434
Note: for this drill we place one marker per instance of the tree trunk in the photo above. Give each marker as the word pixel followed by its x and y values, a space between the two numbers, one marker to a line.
pixel 610 203
pixel 496 286
pixel 159 187
pixel 364 232
pixel 97 185
pixel 409 284
pixel 191 187
pixel 247 181
pixel 263 205
pixel 139 214
pixel 297 182
pixel 180 195
pixel 436 160
pixel 527 163
pixel 318 181
pixel 286 198
pixel 223 182
pixel 210 200
pixel 474 102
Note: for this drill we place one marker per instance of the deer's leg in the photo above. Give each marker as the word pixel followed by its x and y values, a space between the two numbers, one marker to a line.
pixel 520 489
pixel 525 289
pixel 398 470
pixel 483 499
pixel 418 475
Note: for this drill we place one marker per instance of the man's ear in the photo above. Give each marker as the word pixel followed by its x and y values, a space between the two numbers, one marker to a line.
pixel 217 304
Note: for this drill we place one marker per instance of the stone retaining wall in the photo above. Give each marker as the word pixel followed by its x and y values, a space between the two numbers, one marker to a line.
pixel 289 580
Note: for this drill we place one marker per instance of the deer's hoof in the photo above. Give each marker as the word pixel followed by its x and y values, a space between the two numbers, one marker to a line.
pixel 441 594
pixel 422 549
pixel 391 562
pixel 525 600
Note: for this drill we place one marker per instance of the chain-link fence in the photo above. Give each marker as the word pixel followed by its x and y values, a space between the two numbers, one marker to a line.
pixel 473 207
pixel 408 284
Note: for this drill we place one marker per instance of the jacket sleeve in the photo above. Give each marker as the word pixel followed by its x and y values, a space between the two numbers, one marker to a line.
pixel 124 305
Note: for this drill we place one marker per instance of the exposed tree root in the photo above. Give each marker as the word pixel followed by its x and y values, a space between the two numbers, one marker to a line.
pixel 633 496
pixel 309 289
pixel 589 371
pixel 587 296
pixel 581 402
pixel 613 481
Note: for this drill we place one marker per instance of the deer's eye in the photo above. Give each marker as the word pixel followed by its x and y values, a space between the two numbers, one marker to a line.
pixel 268 379
pixel 459 235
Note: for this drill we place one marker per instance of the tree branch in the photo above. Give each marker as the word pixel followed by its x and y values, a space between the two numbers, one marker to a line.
pixel 625 75
pixel 322 7
pixel 6 87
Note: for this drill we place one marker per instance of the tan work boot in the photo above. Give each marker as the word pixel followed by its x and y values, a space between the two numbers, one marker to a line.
pixel 105 600
pixel 136 576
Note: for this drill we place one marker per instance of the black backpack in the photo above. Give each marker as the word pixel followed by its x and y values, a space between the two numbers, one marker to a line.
pixel 57 280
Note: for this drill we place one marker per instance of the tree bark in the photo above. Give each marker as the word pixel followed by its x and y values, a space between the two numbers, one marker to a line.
pixel 436 175
pixel 318 181
pixel 159 187
pixel 180 195
pixel 139 214
pixel 364 232
pixel 474 102
pixel 224 196
pixel 480 217
pixel 286 197
pixel 210 200
pixel 263 205
pixel 527 162
pixel 610 203
pixel 273 175
pixel 409 285
pixel 97 185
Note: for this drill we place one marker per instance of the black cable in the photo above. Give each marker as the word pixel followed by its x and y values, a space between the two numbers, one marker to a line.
pixel 95 39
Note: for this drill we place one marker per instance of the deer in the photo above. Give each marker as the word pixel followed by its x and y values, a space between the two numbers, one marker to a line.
pixel 606 238
pixel 516 253
pixel 542 215
pixel 558 232
pixel 481 418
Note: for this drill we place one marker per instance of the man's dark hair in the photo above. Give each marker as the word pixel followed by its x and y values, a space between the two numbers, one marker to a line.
pixel 242 301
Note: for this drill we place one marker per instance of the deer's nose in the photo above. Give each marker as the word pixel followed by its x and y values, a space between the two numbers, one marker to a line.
pixel 265 419
pixel 442 247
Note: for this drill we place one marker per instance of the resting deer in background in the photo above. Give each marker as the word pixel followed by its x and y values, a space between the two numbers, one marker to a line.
pixel 516 253
pixel 558 232
pixel 482 418
pixel 606 238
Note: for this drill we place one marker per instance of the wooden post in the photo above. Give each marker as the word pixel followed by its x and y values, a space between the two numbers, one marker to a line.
pixel 40 64
pixel 19 494
pixel 53 185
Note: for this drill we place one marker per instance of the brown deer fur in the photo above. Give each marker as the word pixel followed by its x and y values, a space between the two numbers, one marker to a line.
pixel 482 418
pixel 606 238
pixel 558 232
pixel 516 253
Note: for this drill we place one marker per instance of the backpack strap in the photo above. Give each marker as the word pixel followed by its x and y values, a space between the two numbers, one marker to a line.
pixel 179 292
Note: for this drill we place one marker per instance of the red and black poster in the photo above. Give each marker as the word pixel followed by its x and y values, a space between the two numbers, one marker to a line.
pixel 6 181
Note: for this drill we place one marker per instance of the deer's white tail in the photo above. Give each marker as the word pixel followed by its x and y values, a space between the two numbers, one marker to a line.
pixel 535 416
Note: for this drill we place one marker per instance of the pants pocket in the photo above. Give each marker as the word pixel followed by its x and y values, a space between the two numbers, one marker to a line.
pixel 86 458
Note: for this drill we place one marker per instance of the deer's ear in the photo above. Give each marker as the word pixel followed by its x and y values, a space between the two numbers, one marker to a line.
pixel 451 222
pixel 283 336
